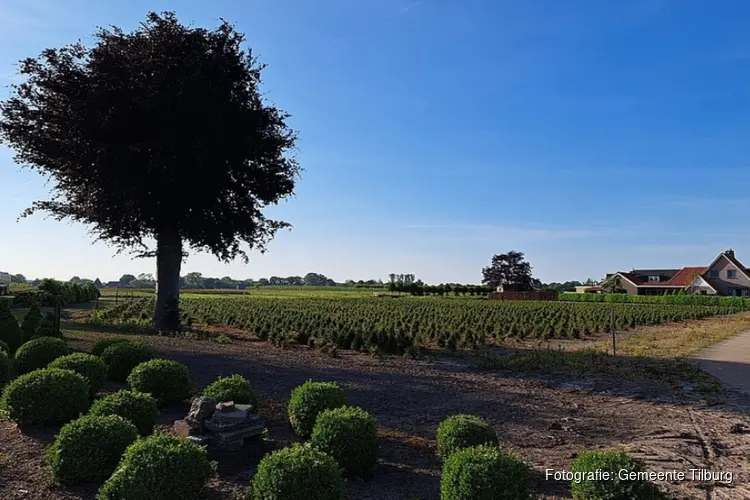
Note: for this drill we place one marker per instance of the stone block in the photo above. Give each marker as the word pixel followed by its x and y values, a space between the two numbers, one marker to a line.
pixel 226 420
pixel 229 446
pixel 242 433
pixel 199 440
pixel 202 408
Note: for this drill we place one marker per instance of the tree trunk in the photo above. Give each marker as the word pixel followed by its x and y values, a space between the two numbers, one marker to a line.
pixel 168 263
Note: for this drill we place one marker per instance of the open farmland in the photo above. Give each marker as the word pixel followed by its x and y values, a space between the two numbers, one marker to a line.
pixel 397 325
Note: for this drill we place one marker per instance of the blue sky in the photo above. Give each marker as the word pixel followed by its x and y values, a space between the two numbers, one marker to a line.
pixel 591 135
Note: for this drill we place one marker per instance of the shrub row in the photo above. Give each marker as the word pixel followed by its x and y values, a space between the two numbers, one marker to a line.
pixel 49 291
pixel 734 303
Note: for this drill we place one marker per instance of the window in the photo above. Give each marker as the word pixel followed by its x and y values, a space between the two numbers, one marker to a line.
pixel 731 274
pixel 713 274
pixel 653 278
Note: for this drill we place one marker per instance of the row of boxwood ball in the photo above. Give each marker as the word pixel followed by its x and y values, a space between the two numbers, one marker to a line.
pixel 342 443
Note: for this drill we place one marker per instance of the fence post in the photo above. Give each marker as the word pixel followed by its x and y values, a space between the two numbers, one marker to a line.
pixel 614 336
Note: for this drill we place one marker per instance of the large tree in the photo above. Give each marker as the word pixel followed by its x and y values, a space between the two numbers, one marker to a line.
pixel 159 134
pixel 508 270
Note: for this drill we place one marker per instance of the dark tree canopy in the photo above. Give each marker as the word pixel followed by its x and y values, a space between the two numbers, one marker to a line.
pixel 508 270
pixel 159 133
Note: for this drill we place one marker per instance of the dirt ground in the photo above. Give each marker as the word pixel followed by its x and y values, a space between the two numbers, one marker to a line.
pixel 545 421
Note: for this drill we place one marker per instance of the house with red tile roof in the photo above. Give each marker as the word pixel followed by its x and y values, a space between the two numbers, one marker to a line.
pixel 725 275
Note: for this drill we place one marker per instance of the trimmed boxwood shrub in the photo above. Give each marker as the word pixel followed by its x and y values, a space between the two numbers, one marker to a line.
pixel 166 380
pixel 101 345
pixel 484 473
pixel 463 431
pixel 122 357
pixel 89 449
pixel 349 435
pixel 308 400
pixel 160 467
pixel 614 488
pixel 10 331
pixel 47 396
pixel 92 368
pixel 298 471
pixel 137 407
pixel 46 327
pixel 31 321
pixel 38 353
pixel 234 388
pixel 4 368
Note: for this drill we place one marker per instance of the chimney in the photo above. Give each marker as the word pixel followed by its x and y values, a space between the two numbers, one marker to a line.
pixel 730 252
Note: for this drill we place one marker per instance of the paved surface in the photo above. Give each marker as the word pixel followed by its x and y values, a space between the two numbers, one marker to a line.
pixel 729 361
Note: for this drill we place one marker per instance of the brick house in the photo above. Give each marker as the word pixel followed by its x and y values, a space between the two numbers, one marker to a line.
pixel 725 275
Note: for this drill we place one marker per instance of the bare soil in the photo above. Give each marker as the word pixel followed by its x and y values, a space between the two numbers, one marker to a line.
pixel 545 421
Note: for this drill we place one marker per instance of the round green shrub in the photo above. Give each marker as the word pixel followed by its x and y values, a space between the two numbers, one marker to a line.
pixel 160 467
pixel 137 407
pixel 31 321
pixel 89 449
pixel 234 388
pixel 101 345
pixel 38 353
pixel 166 380
pixel 614 488
pixel 349 435
pixel 46 396
pixel 10 331
pixel 463 431
pixel 4 347
pixel 484 473
pixel 308 400
pixel 298 471
pixel 92 368
pixel 4 368
pixel 122 357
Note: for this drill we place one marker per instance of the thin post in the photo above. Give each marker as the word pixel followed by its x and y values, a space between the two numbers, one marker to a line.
pixel 117 294
pixel 614 336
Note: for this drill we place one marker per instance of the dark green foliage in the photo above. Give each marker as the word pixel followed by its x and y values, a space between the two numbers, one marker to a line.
pixel 484 473
pixel 47 396
pixel 101 345
pixel 160 467
pixel 46 327
pixel 38 353
pixel 31 322
pixel 234 388
pixel 166 380
pixel 463 431
pixel 4 347
pixel 297 472
pixel 89 449
pixel 734 303
pixel 137 407
pixel 92 368
pixel 508 270
pixel 4 368
pixel 10 331
pixel 51 292
pixel 122 357
pixel 308 401
pixel 614 488
pixel 349 435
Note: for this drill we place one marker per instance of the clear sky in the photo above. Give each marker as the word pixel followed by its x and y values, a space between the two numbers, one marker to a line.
pixel 591 135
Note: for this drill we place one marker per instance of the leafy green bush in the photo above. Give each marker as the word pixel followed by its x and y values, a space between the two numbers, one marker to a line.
pixel 38 353
pixel 296 472
pixel 10 332
pixel 234 388
pixel 102 345
pixel 92 368
pixel 89 449
pixel 160 467
pixel 308 400
pixel 47 396
pixel 4 347
pixel 4 368
pixel 122 357
pixel 349 435
pixel 47 327
pixel 484 473
pixel 166 380
pixel 463 431
pixel 137 407
pixel 31 321
pixel 613 488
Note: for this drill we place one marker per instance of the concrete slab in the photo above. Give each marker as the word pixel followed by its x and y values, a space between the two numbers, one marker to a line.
pixel 729 361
